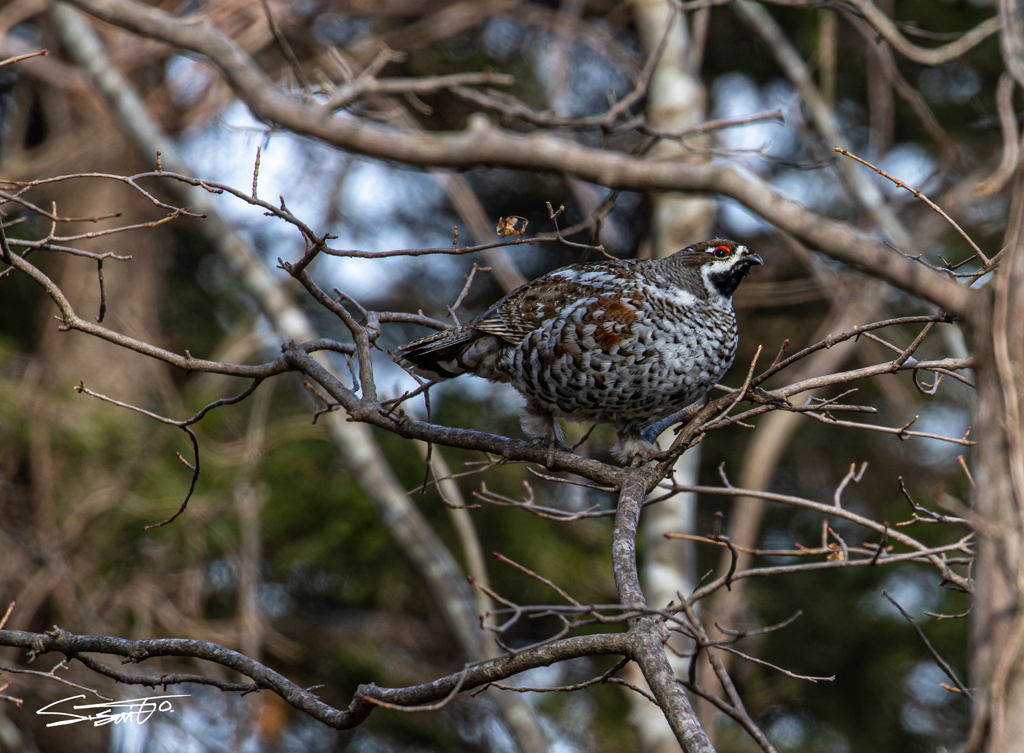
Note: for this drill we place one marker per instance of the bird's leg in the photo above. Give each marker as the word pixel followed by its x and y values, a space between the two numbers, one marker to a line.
pixel 541 428
pixel 632 446
pixel 653 431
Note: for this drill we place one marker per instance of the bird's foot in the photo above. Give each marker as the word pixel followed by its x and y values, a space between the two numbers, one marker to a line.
pixel 635 451
pixel 552 443
pixel 544 432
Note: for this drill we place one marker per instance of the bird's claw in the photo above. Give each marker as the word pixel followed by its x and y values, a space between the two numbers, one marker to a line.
pixel 551 444
pixel 645 456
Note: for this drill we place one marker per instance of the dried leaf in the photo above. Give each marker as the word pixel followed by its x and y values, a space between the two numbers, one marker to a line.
pixel 507 226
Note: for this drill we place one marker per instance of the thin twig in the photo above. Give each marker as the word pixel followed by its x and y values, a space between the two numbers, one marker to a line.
pixel 51 676
pixel 184 426
pixel 922 197
pixel 742 392
pixel 19 58
pixel 287 51
pixel 786 672
pixel 427 707
pixel 502 558
pixel 854 476
pixel 256 168
pixel 963 464
pixel 931 649
pixel 103 292
pixel 7 615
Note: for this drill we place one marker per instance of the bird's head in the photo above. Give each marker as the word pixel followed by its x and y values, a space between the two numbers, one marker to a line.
pixel 721 264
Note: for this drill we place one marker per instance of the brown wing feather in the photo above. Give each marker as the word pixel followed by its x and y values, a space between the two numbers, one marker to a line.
pixel 526 308
pixel 474 346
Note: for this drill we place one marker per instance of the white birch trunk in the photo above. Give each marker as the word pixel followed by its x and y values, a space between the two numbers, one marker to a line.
pixel 676 100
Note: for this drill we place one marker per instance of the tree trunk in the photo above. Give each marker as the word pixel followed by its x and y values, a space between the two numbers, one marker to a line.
pixel 997 628
pixel 677 100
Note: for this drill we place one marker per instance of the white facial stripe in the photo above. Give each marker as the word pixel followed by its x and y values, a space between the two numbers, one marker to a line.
pixel 709 269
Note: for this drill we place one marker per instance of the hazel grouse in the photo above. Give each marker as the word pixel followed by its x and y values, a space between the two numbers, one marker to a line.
pixel 623 342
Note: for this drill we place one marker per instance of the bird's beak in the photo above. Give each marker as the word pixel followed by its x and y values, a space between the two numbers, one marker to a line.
pixel 752 258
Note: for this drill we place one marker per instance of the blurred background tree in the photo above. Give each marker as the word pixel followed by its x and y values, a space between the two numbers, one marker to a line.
pixel 290 550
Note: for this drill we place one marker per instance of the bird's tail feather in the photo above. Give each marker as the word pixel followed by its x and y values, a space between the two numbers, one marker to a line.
pixel 437 356
pixel 459 350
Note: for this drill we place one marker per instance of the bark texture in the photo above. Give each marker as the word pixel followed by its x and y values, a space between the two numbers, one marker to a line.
pixel 647 634
pixel 997 618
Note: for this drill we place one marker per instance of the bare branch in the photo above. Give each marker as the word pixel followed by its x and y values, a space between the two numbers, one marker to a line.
pixel 263 677
pixel 483 144
pixel 366 86
pixel 931 649
pixel 829 509
pixel 19 58
pixel 935 56
pixel 917 192
pixel 163 680
pixel 426 707
pixel 644 632
pixel 286 49
pixel 502 558
pixel 1011 146
pixel 51 675
pixel 606 677
pixel 786 672
pixel 852 475
pixel 831 340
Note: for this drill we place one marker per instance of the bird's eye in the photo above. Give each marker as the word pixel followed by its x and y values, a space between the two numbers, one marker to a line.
pixel 721 252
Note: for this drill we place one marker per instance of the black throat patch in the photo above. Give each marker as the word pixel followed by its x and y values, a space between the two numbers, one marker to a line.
pixel 726 282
